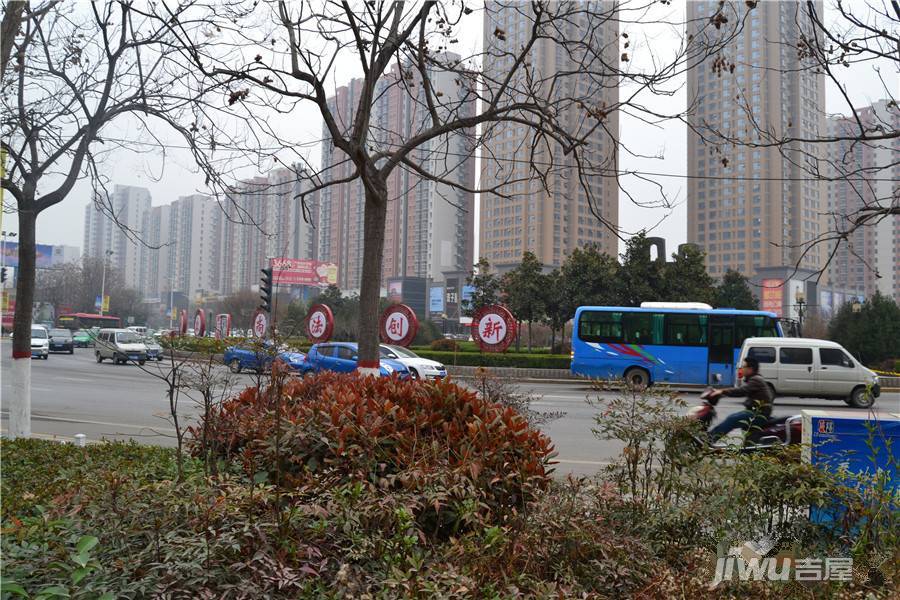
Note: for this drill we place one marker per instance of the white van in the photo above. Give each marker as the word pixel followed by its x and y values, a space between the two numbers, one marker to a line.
pixel 811 368
pixel 120 346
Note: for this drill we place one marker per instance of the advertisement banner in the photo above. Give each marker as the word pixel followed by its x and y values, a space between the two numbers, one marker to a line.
pixel 43 255
pixel 395 291
pixel 825 305
pixel 436 300
pixel 300 271
pixel 772 292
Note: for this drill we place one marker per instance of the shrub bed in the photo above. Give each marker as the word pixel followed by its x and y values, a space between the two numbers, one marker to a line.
pixel 499 359
pixel 398 435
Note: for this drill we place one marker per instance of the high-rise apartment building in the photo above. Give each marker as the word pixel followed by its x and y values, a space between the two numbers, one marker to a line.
pixel 754 208
pixel 551 219
pixel 864 176
pixel 429 224
pixel 118 228
pixel 263 218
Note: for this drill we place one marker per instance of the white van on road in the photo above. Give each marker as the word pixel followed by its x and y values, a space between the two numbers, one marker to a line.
pixel 811 368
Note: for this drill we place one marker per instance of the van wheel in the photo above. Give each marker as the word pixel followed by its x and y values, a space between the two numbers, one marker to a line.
pixel 99 358
pixel 235 366
pixel 861 397
pixel 141 362
pixel 637 378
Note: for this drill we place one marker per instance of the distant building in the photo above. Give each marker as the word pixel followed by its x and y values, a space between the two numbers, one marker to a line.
pixel 117 227
pixel 751 208
pixel 864 175
pixel 429 226
pixel 66 254
pixel 263 217
pixel 525 215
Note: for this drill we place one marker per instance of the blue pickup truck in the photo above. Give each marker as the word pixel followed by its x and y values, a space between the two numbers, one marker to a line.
pixel 341 357
pixel 259 359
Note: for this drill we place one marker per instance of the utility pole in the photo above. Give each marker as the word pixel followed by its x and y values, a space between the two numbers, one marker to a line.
pixel 108 253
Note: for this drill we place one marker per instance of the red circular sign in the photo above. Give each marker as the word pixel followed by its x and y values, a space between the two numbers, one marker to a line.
pixel 494 328
pixel 398 325
pixel 260 323
pixel 182 323
pixel 319 323
pixel 200 323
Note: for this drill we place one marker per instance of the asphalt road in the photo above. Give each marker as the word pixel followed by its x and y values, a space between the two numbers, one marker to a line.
pixel 73 394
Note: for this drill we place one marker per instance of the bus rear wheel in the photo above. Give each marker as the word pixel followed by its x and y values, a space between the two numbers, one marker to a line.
pixel 637 378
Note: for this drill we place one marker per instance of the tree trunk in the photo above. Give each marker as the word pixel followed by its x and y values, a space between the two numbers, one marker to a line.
pixel 518 335
pixel 20 402
pixel 529 336
pixel 370 286
pixel 552 338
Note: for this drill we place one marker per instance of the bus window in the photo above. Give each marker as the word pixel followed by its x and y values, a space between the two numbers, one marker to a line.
pixel 686 330
pixel 753 326
pixel 600 326
pixel 638 328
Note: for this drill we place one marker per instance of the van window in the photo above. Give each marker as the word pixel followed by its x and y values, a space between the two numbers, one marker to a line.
pixel 762 354
pixel 796 356
pixel 834 357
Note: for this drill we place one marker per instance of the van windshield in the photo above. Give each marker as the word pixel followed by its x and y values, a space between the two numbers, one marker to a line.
pixel 127 337
pixel 39 333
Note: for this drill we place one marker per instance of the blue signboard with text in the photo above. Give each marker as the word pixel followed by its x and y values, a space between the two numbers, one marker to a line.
pixel 436 300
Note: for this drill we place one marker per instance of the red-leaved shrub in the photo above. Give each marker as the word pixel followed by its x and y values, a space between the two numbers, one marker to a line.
pixel 401 435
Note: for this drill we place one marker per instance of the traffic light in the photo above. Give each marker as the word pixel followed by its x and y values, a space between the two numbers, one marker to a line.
pixel 3 275
pixel 265 290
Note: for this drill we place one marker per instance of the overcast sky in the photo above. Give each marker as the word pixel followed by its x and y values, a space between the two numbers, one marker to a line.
pixel 172 174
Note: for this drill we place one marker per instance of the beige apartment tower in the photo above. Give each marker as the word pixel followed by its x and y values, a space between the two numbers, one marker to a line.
pixel 754 208
pixel 525 215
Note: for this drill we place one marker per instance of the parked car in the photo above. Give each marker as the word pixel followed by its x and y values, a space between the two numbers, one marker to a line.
pixel 154 350
pixel 811 368
pixel 341 357
pixel 83 338
pixel 61 341
pixel 259 359
pixel 120 346
pixel 40 342
pixel 419 368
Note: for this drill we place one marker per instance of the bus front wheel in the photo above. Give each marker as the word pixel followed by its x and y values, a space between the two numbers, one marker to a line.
pixel 637 378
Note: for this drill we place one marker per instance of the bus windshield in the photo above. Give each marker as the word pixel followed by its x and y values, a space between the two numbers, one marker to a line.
pixel 679 346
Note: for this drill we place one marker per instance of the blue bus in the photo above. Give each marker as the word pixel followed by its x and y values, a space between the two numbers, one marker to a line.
pixel 677 343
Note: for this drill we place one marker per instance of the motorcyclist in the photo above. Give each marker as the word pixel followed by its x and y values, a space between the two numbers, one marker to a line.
pixel 758 403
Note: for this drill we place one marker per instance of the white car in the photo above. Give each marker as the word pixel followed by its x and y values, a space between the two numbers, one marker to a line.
pixel 419 368
pixel 40 342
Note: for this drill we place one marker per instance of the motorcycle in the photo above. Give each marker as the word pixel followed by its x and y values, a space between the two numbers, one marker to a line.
pixel 778 431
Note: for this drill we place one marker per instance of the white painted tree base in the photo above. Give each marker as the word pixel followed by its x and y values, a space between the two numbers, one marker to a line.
pixel 19 401
pixel 368 372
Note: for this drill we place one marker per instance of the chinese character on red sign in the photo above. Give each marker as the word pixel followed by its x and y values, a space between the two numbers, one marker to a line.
pixel 493 329
pixel 395 327
pixel 317 325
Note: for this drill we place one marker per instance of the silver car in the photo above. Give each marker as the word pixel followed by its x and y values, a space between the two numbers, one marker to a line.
pixel 120 346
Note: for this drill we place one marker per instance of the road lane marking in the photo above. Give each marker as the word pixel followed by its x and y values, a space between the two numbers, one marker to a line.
pixel 38 417
pixel 596 463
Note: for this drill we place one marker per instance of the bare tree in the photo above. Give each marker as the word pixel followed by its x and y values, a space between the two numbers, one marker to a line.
pixel 277 57
pixel 75 69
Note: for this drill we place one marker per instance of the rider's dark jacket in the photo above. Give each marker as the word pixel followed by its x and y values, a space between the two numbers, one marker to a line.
pixel 759 395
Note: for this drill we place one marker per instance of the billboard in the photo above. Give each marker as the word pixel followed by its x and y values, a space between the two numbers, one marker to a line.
pixel 436 300
pixel 43 252
pixel 772 292
pixel 825 304
pixel 301 271
pixel 395 291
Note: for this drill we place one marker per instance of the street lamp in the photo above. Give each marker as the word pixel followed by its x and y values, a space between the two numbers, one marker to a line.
pixel 800 298
pixel 103 280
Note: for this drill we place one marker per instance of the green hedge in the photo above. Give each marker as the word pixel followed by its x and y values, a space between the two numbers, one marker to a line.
pixel 504 359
